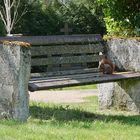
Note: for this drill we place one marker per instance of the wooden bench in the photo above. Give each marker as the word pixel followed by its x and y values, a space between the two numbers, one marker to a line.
pixel 71 60
pixel 60 61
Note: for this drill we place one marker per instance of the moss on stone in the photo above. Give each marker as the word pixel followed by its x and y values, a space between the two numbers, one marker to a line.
pixel 120 37
pixel 13 43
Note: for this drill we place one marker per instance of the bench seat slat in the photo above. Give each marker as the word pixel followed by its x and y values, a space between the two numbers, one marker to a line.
pixel 81 80
pixel 65 60
pixel 66 49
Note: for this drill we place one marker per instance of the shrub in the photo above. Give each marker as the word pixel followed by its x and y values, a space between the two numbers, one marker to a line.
pixel 49 19
pixel 81 19
pixel 122 16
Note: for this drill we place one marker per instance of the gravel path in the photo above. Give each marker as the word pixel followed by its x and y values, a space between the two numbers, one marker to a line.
pixel 64 96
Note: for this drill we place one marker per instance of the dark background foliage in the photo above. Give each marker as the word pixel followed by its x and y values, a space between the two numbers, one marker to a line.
pixel 47 18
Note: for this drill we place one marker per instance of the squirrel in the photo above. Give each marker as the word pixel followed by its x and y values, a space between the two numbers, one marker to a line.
pixel 106 66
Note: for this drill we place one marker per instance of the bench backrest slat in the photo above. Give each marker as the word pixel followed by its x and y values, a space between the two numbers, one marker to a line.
pixel 71 72
pixel 65 60
pixel 66 49
pixel 61 39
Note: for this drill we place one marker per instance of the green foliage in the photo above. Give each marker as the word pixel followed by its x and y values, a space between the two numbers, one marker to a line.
pixel 21 10
pixel 39 22
pixel 122 16
pixel 81 18
pixel 48 18
pixel 117 27
pixel 2 31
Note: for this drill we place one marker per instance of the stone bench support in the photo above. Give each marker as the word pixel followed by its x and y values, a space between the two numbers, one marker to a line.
pixel 123 95
pixel 14 76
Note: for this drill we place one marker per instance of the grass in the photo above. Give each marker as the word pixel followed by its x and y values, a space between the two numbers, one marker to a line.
pixel 82 121
pixel 92 86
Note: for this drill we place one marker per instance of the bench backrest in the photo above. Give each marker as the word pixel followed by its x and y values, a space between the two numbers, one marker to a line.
pixel 62 55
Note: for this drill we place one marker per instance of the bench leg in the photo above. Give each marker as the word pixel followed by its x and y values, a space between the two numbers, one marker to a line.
pixel 123 95
pixel 14 77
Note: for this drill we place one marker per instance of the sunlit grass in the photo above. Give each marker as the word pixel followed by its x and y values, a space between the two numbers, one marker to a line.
pixel 81 121
pixel 92 86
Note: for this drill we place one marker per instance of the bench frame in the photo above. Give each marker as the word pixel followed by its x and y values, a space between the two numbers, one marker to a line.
pixel 59 53
pixel 62 53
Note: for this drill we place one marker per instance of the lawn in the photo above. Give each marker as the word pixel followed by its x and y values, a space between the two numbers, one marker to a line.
pixel 82 121
pixel 92 86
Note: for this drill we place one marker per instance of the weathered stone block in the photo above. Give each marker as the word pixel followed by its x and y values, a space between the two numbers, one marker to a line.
pixel 14 76
pixel 123 95
pixel 124 53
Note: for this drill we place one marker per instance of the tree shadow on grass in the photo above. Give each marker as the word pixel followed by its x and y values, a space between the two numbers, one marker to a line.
pixel 66 114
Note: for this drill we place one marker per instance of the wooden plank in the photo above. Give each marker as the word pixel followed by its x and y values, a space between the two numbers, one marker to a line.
pixel 66 49
pixel 65 76
pixel 81 76
pixel 62 82
pixel 65 60
pixel 67 72
pixel 58 39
